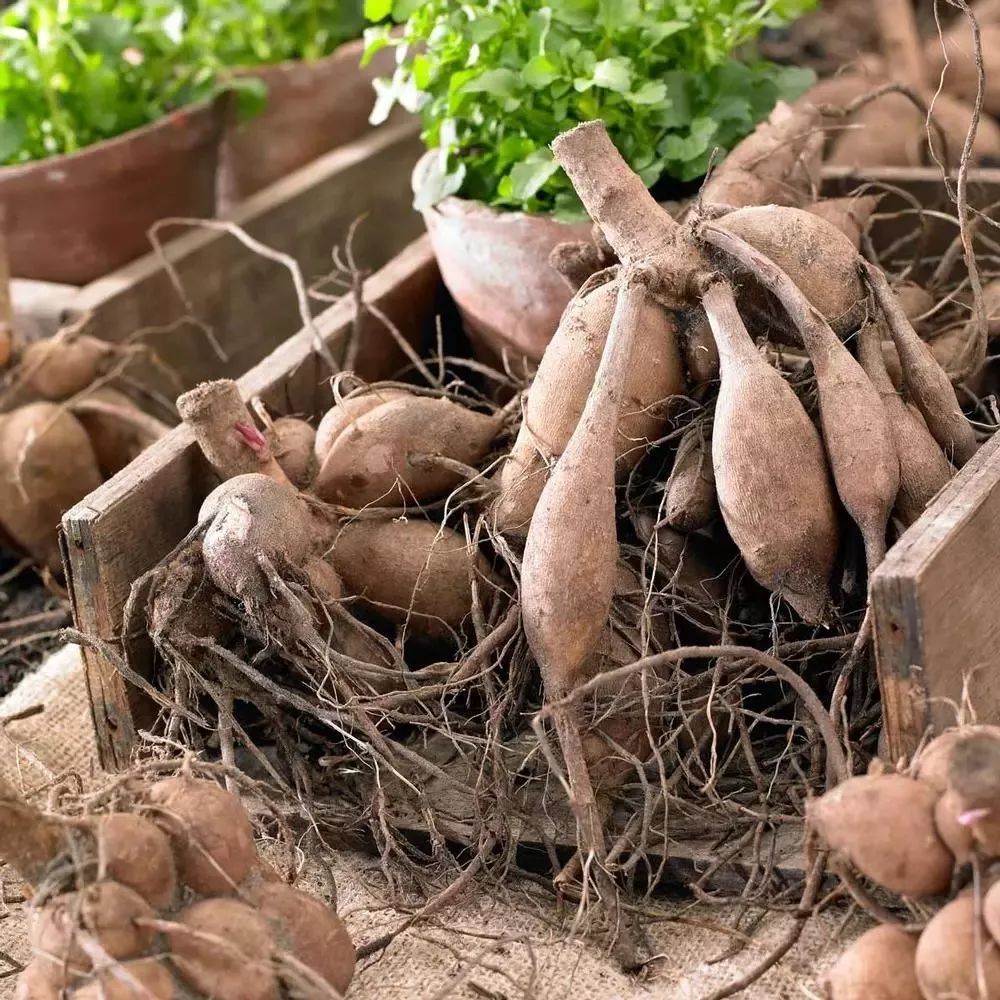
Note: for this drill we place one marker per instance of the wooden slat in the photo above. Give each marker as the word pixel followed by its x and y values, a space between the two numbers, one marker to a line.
pixel 128 524
pixel 937 609
pixel 247 300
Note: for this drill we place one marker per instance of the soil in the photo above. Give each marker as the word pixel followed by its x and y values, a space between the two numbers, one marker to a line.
pixel 31 617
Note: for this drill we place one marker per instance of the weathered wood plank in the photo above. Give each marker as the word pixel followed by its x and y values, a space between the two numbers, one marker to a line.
pixel 128 524
pixel 936 601
pixel 246 300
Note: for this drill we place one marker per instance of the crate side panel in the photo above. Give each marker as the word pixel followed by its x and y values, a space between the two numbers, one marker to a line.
pixel 244 303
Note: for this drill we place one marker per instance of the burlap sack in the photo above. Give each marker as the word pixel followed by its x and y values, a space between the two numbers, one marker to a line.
pixel 505 942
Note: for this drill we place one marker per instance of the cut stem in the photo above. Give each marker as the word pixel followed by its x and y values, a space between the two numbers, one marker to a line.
pixel 225 431
pixel 632 222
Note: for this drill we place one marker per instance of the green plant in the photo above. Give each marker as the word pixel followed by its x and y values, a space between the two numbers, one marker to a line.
pixel 255 32
pixel 73 72
pixel 496 80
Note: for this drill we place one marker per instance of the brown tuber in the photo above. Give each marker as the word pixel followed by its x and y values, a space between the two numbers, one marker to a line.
pixel 63 365
pixel 47 464
pixel 254 523
pixel 923 469
pixel 339 417
pixel 559 392
pixel 104 914
pixel 212 835
pixel 410 571
pixel 292 441
pixel 135 852
pixel 689 495
pixel 118 430
pixel 947 953
pixel 776 501
pixel 222 948
pixel 879 965
pixel 884 825
pixel 392 455
pixel 308 930
pixel 143 979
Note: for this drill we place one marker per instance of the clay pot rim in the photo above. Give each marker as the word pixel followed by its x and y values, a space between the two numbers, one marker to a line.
pixel 454 207
pixel 203 115
pixel 289 65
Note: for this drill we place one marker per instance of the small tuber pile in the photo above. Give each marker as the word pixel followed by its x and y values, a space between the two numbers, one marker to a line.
pixel 917 834
pixel 166 899
pixel 69 433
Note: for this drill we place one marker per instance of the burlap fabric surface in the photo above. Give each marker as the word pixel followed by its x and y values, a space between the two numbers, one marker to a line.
pixel 497 943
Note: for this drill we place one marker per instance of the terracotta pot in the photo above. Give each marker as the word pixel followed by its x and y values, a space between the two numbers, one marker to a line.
pixel 76 217
pixel 496 267
pixel 312 107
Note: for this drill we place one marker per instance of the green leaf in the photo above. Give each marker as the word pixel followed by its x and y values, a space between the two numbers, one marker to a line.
pixel 528 176
pixel 539 72
pixel 12 135
pixel 498 82
pixel 614 74
pixel 378 10
pixel 662 30
pixel 651 92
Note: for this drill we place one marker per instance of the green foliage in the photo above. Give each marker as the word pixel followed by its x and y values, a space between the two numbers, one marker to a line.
pixel 496 80
pixel 74 72
pixel 254 32
pixel 77 71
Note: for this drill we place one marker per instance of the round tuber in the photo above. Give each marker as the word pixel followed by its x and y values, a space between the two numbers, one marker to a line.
pixel 135 852
pixel 884 825
pixel 947 966
pixel 879 965
pixel 222 948
pixel 211 832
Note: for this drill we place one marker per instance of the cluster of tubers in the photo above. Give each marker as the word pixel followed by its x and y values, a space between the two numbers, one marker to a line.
pixel 71 435
pixel 877 110
pixel 784 393
pixel 167 900
pixel 324 580
pixel 916 834
pixel 379 450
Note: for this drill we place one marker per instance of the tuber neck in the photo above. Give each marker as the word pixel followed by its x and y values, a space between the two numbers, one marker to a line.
pixel 733 340
pixel 616 199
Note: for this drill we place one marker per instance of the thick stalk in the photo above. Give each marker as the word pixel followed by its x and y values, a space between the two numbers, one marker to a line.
pixel 926 381
pixel 855 426
pixel 632 222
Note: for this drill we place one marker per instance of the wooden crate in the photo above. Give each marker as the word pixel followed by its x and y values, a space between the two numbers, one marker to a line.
pixel 130 523
pixel 248 302
pixel 937 609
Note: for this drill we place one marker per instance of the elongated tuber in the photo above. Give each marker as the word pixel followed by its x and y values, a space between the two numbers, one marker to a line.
pixel 776 502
